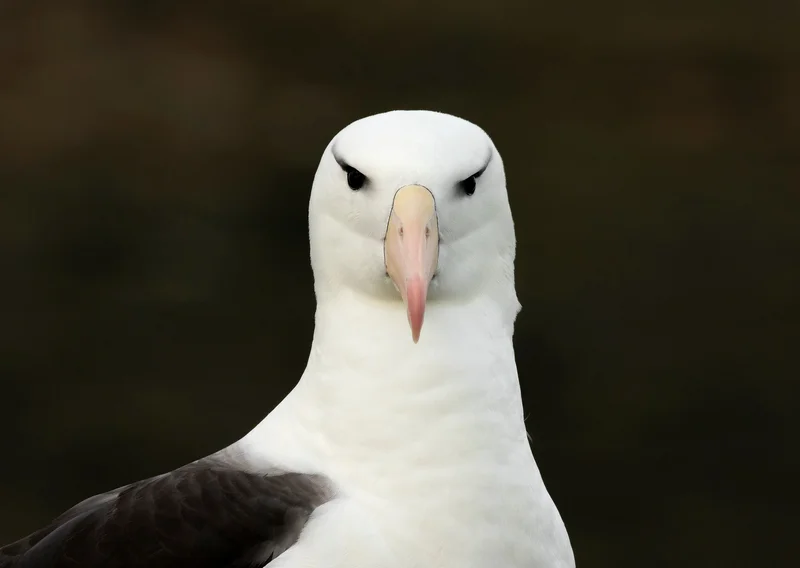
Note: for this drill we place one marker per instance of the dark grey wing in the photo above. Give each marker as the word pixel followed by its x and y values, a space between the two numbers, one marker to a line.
pixel 204 515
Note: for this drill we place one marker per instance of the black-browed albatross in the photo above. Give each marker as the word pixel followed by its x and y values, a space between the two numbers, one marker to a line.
pixel 395 449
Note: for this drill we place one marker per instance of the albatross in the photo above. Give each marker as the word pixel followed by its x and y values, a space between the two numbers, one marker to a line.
pixel 403 442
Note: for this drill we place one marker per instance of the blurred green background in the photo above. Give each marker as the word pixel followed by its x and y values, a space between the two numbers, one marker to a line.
pixel 156 298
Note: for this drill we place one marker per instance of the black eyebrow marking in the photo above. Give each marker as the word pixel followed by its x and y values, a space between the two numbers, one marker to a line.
pixel 479 173
pixel 339 160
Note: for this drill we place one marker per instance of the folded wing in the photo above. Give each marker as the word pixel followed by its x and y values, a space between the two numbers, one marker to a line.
pixel 206 514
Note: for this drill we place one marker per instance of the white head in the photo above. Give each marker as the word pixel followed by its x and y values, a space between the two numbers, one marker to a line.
pixel 411 206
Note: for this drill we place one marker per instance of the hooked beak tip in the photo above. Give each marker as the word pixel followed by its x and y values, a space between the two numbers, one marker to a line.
pixel 416 296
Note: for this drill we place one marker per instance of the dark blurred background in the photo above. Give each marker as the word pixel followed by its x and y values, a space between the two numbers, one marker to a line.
pixel 156 298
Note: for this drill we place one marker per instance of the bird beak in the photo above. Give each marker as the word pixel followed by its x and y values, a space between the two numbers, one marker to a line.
pixel 411 249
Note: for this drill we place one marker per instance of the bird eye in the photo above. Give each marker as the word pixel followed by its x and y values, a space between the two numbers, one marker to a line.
pixel 355 179
pixel 468 185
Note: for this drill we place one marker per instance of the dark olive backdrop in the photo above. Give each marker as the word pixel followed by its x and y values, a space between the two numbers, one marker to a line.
pixel 155 293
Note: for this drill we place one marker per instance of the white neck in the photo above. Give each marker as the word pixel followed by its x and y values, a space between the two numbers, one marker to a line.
pixel 423 433
pixel 376 401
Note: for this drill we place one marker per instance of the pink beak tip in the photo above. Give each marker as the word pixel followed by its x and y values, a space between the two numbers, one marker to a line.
pixel 416 292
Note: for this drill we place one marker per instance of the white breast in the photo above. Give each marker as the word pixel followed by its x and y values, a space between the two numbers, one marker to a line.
pixel 427 446
pixel 490 521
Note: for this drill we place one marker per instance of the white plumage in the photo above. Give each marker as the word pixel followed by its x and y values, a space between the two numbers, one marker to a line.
pixel 425 443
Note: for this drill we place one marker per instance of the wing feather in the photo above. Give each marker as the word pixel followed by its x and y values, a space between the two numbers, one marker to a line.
pixel 205 515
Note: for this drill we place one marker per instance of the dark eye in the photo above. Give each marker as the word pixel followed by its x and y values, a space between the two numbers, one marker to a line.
pixel 468 185
pixel 355 179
